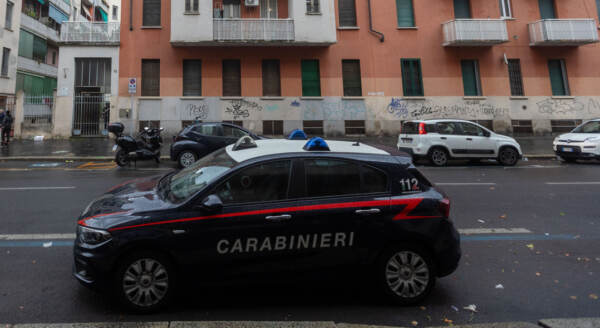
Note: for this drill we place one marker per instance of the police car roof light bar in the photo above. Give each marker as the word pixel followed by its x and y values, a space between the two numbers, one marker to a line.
pixel 316 144
pixel 297 135
pixel 244 142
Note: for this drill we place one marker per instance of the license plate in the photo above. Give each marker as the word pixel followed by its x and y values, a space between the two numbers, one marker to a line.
pixel 115 148
pixel 567 149
pixel 406 140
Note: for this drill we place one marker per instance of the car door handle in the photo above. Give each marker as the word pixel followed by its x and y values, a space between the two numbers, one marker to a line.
pixel 469 139
pixel 282 217
pixel 443 138
pixel 368 212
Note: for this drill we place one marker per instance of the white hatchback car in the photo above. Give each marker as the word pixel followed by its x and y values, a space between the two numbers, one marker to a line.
pixel 441 140
pixel 581 143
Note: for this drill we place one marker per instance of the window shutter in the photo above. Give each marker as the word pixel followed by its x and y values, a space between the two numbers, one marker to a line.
pixel 462 9
pixel 5 58
pixel 192 78
pixel 352 78
pixel 412 79
pixel 271 78
pixel 9 12
pixel 232 84
pixel 347 12
pixel 151 77
pixel 547 9
pixel 40 48
pixel 598 8
pixel 405 13
pixel 311 80
pixel 470 78
pixel 515 77
pixel 188 5
pixel 151 13
pixel 26 44
pixel 557 78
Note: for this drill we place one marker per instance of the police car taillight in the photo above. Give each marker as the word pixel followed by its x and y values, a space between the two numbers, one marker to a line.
pixel 422 128
pixel 444 207
pixel 316 144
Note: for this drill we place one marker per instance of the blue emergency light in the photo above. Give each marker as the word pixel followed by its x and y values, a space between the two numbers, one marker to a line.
pixel 297 135
pixel 316 144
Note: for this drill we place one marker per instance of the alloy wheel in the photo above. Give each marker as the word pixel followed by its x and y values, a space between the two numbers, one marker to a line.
pixel 407 274
pixel 145 282
pixel 187 159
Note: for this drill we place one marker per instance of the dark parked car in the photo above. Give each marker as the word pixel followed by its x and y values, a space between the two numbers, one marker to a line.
pixel 199 140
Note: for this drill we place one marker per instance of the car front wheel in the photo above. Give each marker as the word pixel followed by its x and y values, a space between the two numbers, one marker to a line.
pixel 187 158
pixel 508 157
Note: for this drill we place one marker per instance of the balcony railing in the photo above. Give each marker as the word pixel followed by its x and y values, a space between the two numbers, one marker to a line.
pixel 39 27
pixel 36 67
pixel 90 32
pixel 474 32
pixel 563 32
pixel 253 30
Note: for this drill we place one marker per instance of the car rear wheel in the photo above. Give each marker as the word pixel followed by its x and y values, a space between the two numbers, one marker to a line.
pixel 438 157
pixel 407 274
pixel 508 157
pixel 187 158
pixel 145 282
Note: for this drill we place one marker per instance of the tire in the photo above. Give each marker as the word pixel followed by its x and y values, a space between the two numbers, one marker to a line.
pixel 144 281
pixel 121 158
pixel 438 156
pixel 508 156
pixel 186 158
pixel 406 274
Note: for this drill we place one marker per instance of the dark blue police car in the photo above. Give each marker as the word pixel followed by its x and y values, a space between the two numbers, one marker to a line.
pixel 270 206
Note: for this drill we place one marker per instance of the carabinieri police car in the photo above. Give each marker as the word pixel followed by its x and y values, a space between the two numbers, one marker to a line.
pixel 270 207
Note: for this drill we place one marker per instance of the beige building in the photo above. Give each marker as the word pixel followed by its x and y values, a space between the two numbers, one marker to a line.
pixel 10 19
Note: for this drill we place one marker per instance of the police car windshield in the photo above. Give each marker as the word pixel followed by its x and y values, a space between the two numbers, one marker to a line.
pixel 194 178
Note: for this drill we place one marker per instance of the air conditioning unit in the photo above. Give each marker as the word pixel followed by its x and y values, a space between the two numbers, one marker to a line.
pixel 252 3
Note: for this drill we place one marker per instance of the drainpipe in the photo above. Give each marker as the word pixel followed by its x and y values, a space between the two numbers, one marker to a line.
pixel 131 15
pixel 381 36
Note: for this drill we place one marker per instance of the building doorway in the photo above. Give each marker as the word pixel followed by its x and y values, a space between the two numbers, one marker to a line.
pixel 92 97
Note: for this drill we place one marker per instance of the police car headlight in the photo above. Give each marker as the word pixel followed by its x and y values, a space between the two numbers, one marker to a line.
pixel 92 236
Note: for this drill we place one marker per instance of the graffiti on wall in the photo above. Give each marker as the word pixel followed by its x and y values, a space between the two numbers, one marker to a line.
pixel 552 106
pixel 241 108
pixel 197 112
pixel 403 109
pixel 334 110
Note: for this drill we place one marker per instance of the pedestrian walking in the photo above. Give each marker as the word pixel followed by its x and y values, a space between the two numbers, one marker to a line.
pixel 7 123
pixel 1 119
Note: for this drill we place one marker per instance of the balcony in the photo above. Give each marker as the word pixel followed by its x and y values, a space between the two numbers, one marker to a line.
pixel 474 32
pixel 563 32
pixel 38 27
pixel 33 66
pixel 90 33
pixel 253 30
pixel 62 5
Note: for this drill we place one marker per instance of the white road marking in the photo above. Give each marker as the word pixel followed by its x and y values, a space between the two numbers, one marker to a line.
pixel 466 184
pixel 574 183
pixel 36 188
pixel 484 231
pixel 49 236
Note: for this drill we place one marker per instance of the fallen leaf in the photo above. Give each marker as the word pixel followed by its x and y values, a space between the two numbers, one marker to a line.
pixel 538 252
pixel 562 213
pixel 33 262
pixel 492 188
pixel 21 307
pixel 448 321
pixel 530 246
pixel 414 323
pixel 594 296
pixel 538 274
pixel 503 216
pixel 556 281
pixel 573 297
pixel 567 254
pixel 422 308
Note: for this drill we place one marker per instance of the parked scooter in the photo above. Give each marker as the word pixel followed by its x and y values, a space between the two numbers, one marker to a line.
pixel 146 147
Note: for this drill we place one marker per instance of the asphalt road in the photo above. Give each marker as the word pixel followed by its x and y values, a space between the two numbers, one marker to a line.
pixel 547 260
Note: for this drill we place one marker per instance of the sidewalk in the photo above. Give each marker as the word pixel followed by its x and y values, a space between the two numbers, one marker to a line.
pixel 101 148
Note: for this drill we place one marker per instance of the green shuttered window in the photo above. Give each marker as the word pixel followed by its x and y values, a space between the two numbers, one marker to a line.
pixel 192 78
pixel 311 78
pixel 35 85
pixel 406 17
pixel 347 13
pixel 547 9
pixel 471 80
pixel 352 78
pixel 32 47
pixel 462 9
pixel 412 79
pixel 558 77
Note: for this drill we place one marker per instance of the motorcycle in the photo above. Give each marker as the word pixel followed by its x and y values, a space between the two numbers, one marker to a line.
pixel 127 148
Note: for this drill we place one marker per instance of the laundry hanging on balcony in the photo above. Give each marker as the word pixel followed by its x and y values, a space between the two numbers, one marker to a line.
pixel 42 2
pixel 57 15
pixel 103 14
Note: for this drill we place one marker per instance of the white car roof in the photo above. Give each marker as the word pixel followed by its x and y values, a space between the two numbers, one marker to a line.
pixel 442 120
pixel 282 146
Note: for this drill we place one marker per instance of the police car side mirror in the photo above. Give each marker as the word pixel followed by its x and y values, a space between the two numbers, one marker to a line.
pixel 212 203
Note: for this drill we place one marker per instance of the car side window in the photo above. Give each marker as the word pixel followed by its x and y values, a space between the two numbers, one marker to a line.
pixel 373 180
pixel 449 128
pixel 259 183
pixel 207 130
pixel 229 131
pixel 472 130
pixel 328 177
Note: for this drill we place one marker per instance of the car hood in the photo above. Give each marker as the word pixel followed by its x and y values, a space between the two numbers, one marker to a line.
pixel 124 200
pixel 577 137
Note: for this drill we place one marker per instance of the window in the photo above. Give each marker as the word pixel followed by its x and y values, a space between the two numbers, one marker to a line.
pixel 273 128
pixel 259 183
pixel 5 58
pixel 268 9
pixel 9 13
pixel 313 128
pixel 115 13
pixel 521 127
pixel 448 128
pixel 515 77
pixel 32 47
pixel 351 77
pixel 563 126
pixel 488 124
pixel 192 78
pixel 462 9
pixel 558 77
pixel 312 7
pixel 232 79
pixel 412 79
pixel 471 81
pixel 589 127
pixel 311 78
pixel 230 131
pixel 547 9
pixel 271 80
pixel 598 8
pixel 54 58
pixel 405 11
pixel 207 130
pixel 151 77
pixel 191 6
pixel 329 177
pixel 505 9
pixel 238 123
pixel 354 127
pixel 231 9
pixel 347 13
pixel 151 13
pixel 472 130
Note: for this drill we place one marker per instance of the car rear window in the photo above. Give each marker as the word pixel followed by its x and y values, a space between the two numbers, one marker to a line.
pixel 330 177
pixel 410 128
